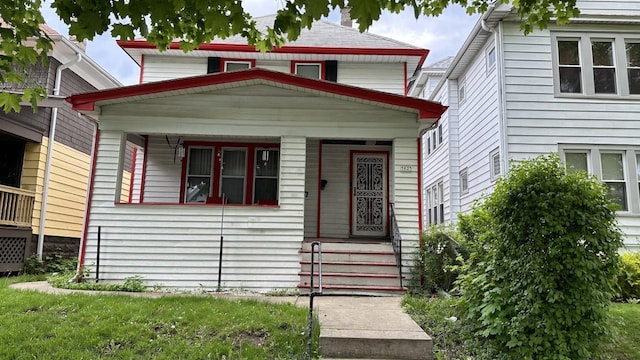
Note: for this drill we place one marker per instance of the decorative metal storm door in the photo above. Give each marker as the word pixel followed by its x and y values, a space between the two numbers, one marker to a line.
pixel 369 192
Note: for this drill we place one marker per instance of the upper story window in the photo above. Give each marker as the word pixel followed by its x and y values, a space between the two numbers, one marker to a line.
pixel 434 139
pixel 633 66
pixel 435 204
pixel 491 58
pixel 598 65
pixel 462 93
pixel 617 166
pixel 312 70
pixel 234 65
pixel 464 181
pixel 239 173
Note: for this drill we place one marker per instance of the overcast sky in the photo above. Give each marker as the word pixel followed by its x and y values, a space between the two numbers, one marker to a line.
pixel 443 35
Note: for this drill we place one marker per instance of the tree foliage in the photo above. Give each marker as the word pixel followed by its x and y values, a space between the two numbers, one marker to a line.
pixel 193 22
pixel 544 259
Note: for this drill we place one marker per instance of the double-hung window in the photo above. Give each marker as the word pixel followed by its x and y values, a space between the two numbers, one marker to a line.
pixel 435 204
pixel 617 166
pixel 233 173
pixel 596 64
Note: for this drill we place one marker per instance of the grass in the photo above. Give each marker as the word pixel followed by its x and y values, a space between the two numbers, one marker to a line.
pixel 77 326
pixel 434 315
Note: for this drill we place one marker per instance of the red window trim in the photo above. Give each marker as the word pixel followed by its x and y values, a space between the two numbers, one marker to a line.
pixel 249 171
pixel 224 61
pixel 319 62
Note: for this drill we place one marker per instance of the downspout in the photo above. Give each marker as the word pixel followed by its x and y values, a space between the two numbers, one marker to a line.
pixel 52 134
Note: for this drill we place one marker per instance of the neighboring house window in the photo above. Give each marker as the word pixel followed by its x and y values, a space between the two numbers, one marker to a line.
pixel 428 144
pixel 308 70
pixel 613 175
pixel 464 181
pixel 439 133
pixel 240 173
pixel 496 168
pixel 600 65
pixel 434 139
pixel 435 204
pixel 618 167
pixel 569 68
pixel 234 65
pixel 491 58
pixel 633 66
pixel 577 160
pixel 461 93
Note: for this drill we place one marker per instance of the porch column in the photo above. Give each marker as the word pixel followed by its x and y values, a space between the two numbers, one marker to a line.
pixel 108 168
pixel 404 175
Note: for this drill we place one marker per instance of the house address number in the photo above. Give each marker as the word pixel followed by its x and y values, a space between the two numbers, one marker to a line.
pixel 406 168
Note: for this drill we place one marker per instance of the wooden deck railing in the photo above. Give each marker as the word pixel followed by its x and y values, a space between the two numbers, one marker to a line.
pixel 16 206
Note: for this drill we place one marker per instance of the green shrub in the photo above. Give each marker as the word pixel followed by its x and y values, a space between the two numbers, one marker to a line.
pixel 629 277
pixel 52 263
pixel 545 254
pixel 33 265
pixel 437 261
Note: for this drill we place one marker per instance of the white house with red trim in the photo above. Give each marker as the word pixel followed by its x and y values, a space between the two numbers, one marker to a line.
pixel 313 141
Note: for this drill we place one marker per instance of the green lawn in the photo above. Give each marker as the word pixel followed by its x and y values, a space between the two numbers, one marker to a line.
pixel 436 315
pixel 77 326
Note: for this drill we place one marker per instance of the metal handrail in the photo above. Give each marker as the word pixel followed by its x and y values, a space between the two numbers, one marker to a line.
pixel 313 293
pixel 396 239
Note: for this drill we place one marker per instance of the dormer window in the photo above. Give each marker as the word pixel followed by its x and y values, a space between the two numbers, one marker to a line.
pixel 235 65
pixel 310 70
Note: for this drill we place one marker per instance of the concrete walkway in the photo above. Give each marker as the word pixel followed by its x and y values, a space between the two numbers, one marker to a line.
pixel 350 326
pixel 369 327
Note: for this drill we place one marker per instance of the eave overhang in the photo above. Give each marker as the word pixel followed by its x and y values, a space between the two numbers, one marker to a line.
pixel 89 103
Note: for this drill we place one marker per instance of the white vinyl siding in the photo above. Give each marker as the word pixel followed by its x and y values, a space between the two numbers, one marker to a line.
pixel 158 68
pixel 405 196
pixel 163 176
pixel 538 121
pixel 311 189
pixel 387 77
pixel 479 127
pixel 625 8
pixel 155 242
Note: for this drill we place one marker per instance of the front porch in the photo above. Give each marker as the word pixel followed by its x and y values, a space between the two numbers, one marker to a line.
pixel 16 211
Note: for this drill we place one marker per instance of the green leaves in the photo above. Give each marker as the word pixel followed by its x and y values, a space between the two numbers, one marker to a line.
pixel 539 282
pixel 9 102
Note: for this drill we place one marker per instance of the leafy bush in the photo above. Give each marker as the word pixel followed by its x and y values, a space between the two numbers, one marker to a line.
pixel 52 263
pixel 629 277
pixel 70 280
pixel 441 319
pixel 544 259
pixel 437 261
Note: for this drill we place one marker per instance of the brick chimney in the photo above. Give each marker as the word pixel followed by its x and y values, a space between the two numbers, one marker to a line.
pixel 345 17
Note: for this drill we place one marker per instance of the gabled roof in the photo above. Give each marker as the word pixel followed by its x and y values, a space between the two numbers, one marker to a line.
pixel 89 102
pixel 324 41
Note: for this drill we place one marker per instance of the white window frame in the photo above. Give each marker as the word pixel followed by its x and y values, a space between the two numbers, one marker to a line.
pixel 619 41
pixel 489 55
pixel 464 181
pixel 578 151
pixel 462 92
pixel 630 163
pixel 226 62
pixel 493 155
pixel 318 64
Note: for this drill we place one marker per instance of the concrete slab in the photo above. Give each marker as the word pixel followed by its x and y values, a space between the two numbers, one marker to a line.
pixel 369 327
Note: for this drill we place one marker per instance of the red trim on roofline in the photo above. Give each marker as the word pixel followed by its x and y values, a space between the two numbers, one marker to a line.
pixel 87 101
pixel 287 49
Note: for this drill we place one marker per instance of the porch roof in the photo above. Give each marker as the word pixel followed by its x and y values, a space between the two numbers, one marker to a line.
pixel 89 103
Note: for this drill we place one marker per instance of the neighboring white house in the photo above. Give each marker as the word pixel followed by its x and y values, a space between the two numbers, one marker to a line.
pixel 574 90
pixel 313 140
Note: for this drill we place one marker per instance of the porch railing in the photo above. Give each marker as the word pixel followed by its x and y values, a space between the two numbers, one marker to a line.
pixel 396 239
pixel 16 206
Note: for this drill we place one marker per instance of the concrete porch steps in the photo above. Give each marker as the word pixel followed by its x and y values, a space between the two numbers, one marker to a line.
pixel 353 267
pixel 369 328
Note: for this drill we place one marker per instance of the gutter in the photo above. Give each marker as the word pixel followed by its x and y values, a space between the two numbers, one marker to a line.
pixel 52 134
